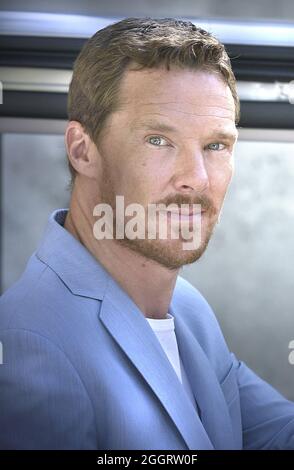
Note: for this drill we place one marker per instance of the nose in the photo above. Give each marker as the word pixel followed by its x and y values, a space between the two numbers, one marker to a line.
pixel 191 173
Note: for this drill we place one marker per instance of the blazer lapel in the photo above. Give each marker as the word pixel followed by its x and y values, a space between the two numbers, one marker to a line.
pixel 127 325
pixel 206 388
pixel 85 276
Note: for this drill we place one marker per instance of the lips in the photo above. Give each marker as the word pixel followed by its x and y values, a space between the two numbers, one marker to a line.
pixel 182 213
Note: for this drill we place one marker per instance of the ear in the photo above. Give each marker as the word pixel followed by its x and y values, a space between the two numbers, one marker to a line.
pixel 80 148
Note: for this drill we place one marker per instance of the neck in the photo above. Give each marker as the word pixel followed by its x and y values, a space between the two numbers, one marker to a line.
pixel 149 284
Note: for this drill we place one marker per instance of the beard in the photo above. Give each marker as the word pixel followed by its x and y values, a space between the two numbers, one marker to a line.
pixel 165 252
pixel 168 253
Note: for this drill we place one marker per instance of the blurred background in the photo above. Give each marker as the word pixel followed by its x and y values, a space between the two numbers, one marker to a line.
pixel 247 272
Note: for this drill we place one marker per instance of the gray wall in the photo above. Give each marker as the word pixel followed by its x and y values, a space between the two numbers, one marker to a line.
pixel 34 181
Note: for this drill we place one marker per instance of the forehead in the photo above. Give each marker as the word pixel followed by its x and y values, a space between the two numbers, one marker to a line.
pixel 177 94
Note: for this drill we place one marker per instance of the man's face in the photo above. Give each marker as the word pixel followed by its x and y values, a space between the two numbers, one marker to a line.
pixel 170 141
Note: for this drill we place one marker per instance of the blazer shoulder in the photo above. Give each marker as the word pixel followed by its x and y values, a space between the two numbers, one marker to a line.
pixel 36 299
pixel 21 290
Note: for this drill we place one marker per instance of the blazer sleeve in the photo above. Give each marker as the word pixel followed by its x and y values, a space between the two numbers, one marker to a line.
pixel 267 416
pixel 43 402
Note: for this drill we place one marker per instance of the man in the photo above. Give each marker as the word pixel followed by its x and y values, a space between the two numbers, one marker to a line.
pixel 104 345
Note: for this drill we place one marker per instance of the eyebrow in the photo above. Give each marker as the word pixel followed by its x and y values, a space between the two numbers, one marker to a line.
pixel 155 125
pixel 162 127
pixel 225 135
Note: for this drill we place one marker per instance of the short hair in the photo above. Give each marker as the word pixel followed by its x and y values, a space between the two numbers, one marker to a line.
pixel 147 43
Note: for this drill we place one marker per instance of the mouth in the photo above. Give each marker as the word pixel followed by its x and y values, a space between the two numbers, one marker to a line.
pixel 189 210
pixel 182 215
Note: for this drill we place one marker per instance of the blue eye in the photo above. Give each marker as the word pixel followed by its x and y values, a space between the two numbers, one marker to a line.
pixel 216 146
pixel 157 141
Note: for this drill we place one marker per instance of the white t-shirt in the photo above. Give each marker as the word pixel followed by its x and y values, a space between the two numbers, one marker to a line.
pixel 165 331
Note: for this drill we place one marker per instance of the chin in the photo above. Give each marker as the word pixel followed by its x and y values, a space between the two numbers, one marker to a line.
pixel 167 253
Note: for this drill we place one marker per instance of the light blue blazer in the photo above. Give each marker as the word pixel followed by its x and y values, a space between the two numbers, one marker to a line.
pixel 83 369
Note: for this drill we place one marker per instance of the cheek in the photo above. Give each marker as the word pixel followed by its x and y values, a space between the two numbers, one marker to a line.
pixel 220 181
pixel 228 173
pixel 146 180
pixel 133 184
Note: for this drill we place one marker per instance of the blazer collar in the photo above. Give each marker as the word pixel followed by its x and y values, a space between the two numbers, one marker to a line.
pixel 70 260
